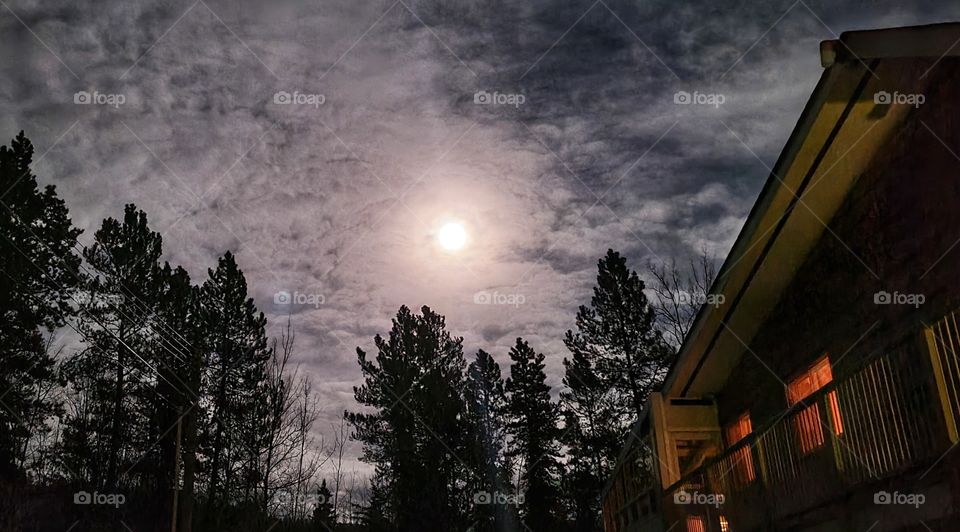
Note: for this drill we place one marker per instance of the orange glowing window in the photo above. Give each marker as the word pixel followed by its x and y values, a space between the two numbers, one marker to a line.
pixel 724 524
pixel 808 423
pixel 743 457
pixel 695 524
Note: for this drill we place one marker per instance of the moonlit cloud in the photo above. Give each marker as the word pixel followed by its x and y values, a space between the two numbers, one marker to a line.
pixel 335 191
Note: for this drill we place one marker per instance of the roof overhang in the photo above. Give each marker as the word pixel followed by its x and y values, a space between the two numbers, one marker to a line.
pixel 836 138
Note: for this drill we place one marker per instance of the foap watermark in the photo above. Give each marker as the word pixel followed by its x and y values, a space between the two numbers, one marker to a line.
pixel 699 98
pixel 905 499
pixel 903 98
pixel 287 497
pixel 506 499
pixel 896 298
pixel 107 499
pixel 498 98
pixel 284 297
pixel 696 497
pixel 298 98
pixel 686 298
pixel 99 98
pixel 496 298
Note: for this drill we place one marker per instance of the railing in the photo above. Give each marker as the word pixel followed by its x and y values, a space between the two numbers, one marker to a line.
pixel 630 499
pixel 882 419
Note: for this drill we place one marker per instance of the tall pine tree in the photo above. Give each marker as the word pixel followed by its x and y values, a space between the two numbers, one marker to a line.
pixel 236 354
pixel 39 273
pixel 415 432
pixel 533 428
pixel 486 409
pixel 111 377
pixel 618 357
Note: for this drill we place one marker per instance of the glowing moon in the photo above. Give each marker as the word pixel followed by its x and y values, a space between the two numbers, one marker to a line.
pixel 452 236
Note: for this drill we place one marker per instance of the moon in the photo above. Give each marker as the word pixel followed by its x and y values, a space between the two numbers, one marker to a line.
pixel 452 236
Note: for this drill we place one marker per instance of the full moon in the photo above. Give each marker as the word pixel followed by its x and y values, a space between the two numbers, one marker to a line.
pixel 452 236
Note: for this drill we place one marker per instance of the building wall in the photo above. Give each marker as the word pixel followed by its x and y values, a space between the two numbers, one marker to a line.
pixel 901 218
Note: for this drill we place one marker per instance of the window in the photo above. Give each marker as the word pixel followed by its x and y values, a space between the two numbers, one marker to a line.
pixel 695 524
pixel 808 422
pixel 724 525
pixel 743 471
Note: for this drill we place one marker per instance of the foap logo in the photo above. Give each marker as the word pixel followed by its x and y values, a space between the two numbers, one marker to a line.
pixel 905 499
pixel 498 98
pixel 896 298
pixel 686 298
pixel 496 298
pixel 506 499
pixel 299 98
pixel 285 298
pixel 107 499
pixel 698 98
pixel 902 98
pixel 287 497
pixel 704 499
pixel 98 98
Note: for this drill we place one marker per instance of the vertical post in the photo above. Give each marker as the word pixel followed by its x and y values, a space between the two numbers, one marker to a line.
pixel 941 384
pixel 176 479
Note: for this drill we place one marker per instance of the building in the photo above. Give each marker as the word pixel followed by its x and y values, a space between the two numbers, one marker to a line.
pixel 823 393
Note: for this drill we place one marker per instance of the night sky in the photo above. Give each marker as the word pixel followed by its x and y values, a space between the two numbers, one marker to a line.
pixel 325 143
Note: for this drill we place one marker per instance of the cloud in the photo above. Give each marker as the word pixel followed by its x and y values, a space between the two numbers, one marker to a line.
pixel 341 198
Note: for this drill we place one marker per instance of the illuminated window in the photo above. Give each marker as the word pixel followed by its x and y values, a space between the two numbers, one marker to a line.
pixel 724 525
pixel 695 524
pixel 743 470
pixel 808 423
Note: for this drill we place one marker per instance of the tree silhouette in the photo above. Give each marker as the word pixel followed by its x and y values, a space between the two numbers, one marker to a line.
pixel 323 515
pixel 486 409
pixel 534 435
pixel 39 273
pixel 618 357
pixel 415 433
pixel 236 353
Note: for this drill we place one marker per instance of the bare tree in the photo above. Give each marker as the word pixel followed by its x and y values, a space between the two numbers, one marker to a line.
pixel 680 294
pixel 340 441
pixel 291 457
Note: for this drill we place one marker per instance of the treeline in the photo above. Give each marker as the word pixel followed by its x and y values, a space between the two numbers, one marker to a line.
pixel 179 412
pixel 459 446
pixel 176 404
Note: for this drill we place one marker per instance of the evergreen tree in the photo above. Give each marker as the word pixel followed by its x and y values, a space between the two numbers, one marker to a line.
pixel 113 373
pixel 236 354
pixel 38 277
pixel 176 354
pixel 617 358
pixel 416 429
pixel 532 425
pixel 323 516
pixel 617 335
pixel 486 408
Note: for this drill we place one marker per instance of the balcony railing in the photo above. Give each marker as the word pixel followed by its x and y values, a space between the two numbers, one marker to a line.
pixel 893 413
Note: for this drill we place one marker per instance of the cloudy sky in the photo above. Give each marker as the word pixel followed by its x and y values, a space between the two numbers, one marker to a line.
pixel 325 142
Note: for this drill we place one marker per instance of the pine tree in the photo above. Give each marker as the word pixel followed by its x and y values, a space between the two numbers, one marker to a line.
pixel 176 354
pixel 416 430
pixel 323 516
pixel 617 334
pixel 113 374
pixel 486 409
pixel 592 436
pixel 236 353
pixel 39 273
pixel 534 432
pixel 617 358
